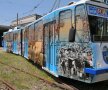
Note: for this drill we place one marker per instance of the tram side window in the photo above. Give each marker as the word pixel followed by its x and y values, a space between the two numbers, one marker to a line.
pixel 14 36
pixel 107 27
pixel 7 37
pixel 38 31
pixel 31 32
pixel 4 38
pixel 26 33
pixel 19 37
pixel 35 26
pixel 40 34
pixel 10 36
pixel 65 24
pixel 82 26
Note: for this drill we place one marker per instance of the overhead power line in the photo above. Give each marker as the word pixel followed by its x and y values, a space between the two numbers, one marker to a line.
pixel 8 20
pixel 56 5
pixel 59 1
pixel 34 7
pixel 53 6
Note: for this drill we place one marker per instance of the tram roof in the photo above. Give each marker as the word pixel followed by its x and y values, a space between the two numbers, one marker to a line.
pixel 74 4
pixel 92 2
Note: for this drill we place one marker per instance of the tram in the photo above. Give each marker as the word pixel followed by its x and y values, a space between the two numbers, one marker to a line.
pixel 71 41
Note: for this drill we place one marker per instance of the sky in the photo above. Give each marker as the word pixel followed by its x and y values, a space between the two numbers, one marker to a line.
pixel 10 8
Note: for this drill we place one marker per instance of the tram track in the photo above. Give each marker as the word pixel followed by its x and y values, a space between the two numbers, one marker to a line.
pixel 4 85
pixel 59 83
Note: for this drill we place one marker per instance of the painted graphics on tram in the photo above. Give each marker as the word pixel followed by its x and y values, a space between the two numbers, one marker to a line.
pixel 73 58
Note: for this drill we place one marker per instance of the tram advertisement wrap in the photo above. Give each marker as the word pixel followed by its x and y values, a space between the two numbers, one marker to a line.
pixel 73 58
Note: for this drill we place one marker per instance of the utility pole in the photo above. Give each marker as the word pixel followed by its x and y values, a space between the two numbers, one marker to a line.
pixel 17 19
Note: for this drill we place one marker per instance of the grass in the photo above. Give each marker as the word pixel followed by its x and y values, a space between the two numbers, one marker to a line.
pixel 19 79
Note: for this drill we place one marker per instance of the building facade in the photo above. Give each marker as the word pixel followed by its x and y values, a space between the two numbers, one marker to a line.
pixel 25 20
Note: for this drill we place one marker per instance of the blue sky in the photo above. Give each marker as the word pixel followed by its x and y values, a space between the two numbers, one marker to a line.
pixel 10 8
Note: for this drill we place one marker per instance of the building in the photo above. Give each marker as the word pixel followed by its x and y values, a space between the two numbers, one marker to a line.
pixel 3 29
pixel 25 20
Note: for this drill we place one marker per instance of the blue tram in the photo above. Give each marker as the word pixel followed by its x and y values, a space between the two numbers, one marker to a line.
pixel 71 41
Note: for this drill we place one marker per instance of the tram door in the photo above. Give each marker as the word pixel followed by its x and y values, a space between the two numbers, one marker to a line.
pixel 49 47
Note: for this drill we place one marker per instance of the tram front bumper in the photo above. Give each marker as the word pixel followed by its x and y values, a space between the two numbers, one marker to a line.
pixel 95 71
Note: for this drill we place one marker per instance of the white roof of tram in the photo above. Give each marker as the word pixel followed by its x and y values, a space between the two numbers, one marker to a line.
pixel 74 4
pixel 97 3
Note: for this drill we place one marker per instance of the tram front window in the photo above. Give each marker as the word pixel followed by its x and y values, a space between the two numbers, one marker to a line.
pixel 98 22
pixel 98 28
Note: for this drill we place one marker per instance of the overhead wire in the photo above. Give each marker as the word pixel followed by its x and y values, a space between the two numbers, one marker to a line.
pixel 6 21
pixel 57 4
pixel 53 6
pixel 34 7
pixel 59 1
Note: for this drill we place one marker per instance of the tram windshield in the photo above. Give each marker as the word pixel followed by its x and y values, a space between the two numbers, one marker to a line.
pixel 98 22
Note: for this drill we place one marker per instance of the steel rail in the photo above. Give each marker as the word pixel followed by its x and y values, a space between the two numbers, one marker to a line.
pixel 59 84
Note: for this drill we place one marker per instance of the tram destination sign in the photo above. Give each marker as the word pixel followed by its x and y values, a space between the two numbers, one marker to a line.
pixel 97 11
